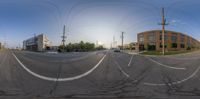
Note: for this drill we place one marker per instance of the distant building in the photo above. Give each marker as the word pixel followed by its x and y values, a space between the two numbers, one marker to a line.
pixel 130 46
pixel 37 43
pixel 174 41
pixel 0 45
pixel 133 46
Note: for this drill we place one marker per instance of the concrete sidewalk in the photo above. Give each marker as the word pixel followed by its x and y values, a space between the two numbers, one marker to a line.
pixel 132 52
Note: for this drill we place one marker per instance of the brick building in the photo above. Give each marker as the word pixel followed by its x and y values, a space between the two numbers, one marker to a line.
pixel 174 41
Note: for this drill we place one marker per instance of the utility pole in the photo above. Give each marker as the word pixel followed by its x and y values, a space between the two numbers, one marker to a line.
pixel 122 37
pixel 113 41
pixel 163 23
pixel 63 38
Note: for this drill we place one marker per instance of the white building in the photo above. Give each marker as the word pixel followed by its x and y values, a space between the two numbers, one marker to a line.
pixel 37 43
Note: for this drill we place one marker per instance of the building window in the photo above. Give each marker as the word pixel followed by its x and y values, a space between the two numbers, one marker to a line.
pixel 151 37
pixel 141 47
pixel 166 37
pixel 141 38
pixel 174 38
pixel 174 45
pixel 188 42
pixel 161 45
pixel 182 45
pixel 182 38
pixel 152 46
pixel 161 32
pixel 160 37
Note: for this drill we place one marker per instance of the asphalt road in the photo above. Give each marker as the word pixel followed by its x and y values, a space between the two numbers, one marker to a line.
pixel 101 74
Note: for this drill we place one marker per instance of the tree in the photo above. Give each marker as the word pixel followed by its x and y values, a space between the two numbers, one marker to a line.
pixel 100 47
pixel 81 46
pixel 69 47
pixel 61 48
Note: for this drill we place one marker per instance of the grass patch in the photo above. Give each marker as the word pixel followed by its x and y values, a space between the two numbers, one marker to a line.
pixel 166 53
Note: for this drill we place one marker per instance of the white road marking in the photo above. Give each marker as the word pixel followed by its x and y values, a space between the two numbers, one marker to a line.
pixel 58 79
pixel 130 61
pixel 68 60
pixel 167 66
pixel 191 58
pixel 123 71
pixel 176 82
pixel 119 67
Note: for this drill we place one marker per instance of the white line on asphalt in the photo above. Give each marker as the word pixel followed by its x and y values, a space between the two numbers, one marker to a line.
pixel 59 79
pixel 130 61
pixel 119 67
pixel 176 82
pixel 123 71
pixel 186 59
pixel 167 66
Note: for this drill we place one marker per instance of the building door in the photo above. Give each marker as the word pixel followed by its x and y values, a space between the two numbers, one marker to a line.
pixel 151 47
pixel 141 47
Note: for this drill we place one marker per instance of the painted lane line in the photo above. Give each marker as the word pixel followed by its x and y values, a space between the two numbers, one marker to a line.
pixel 176 82
pixel 167 66
pixel 185 59
pixel 121 70
pixel 130 61
pixel 58 79
pixel 68 60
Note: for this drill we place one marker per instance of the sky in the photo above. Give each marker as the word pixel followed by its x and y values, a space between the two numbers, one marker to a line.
pixel 94 20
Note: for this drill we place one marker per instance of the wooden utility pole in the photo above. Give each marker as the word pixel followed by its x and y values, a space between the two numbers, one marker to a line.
pixel 122 37
pixel 163 23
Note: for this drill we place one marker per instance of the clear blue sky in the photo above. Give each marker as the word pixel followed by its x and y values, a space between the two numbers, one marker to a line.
pixel 91 20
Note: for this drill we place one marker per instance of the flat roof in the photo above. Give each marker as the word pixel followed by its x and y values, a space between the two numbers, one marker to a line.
pixel 169 31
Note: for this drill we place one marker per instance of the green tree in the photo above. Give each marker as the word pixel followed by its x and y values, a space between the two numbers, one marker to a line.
pixel 61 48
pixel 100 47
pixel 81 46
